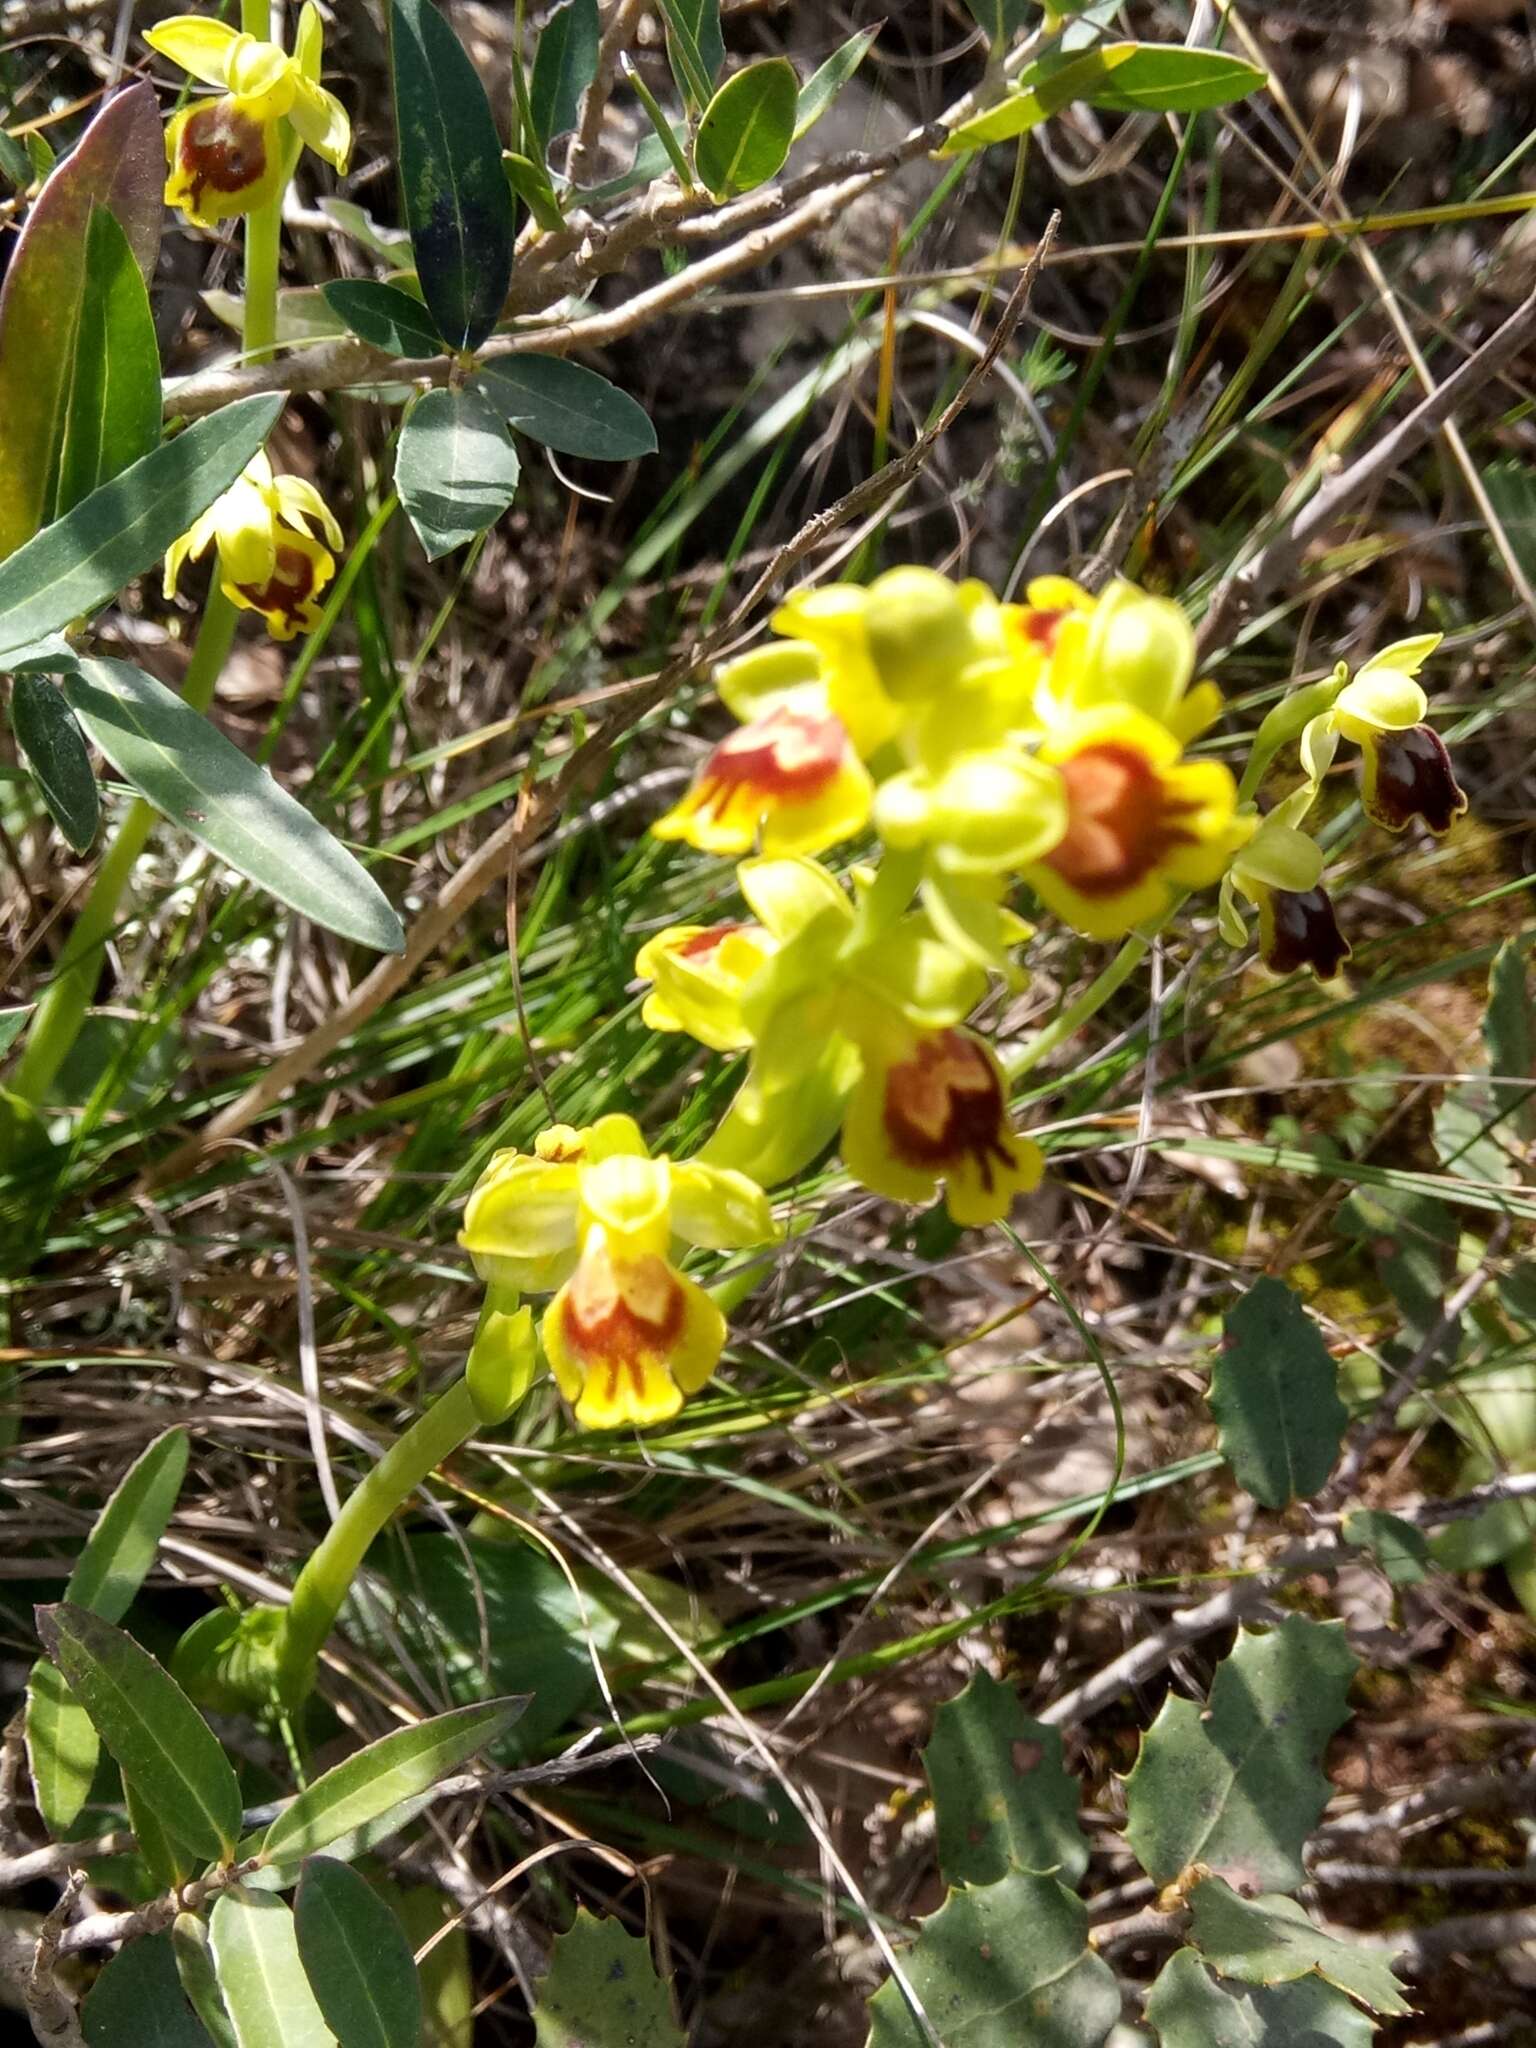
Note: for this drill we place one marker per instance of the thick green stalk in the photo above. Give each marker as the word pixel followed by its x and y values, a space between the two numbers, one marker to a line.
pixel 59 1015
pixel 327 1576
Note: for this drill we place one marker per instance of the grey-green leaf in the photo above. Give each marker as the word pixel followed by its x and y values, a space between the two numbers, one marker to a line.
pixel 358 1961
pixel 563 66
pixel 1398 1547
pixel 1237 1785
pixel 138 2002
pixel 85 558
pixel 206 786
pixel 602 1987
pixel 61 1742
pixel 261 1975
pixel 1002 1795
pixel 144 1718
pixel 828 80
pixel 58 757
pixel 385 316
pixel 695 46
pixel 192 1946
pixel 456 469
pixel 992 1954
pixel 747 128
pixel 457 202
pixel 378 1778
pixel 1275 1396
pixel 1122 77
pixel 112 411
pixel 1190 2009
pixel 1274 1941
pixel 568 407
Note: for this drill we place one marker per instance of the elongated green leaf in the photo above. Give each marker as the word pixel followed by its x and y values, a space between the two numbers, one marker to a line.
pixel 1237 1784
pixel 137 2001
pixel 85 558
pixel 1508 1034
pixel 457 203
pixel 1001 20
pixel 602 1987
pixel 358 1961
pixel 568 407
pixel 530 181
pixel 48 736
pixel 1275 1396
pixel 61 1742
pixel 1002 1795
pixel 158 1737
pixel 1398 1547
pixel 385 316
pixel 167 1862
pixel 119 162
pixel 690 24
pixel 1190 2009
pixel 747 128
pixel 192 1946
pixel 112 413
pixel 205 785
pixel 563 66
pixel 379 1777
pixel 261 1976
pixel 62 1748
pixel 992 1954
pixel 1273 1941
pixel 828 80
pixel 1120 77
pixel 455 469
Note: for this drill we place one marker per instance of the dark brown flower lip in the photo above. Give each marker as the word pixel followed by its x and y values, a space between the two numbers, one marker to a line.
pixel 1409 776
pixel 1300 929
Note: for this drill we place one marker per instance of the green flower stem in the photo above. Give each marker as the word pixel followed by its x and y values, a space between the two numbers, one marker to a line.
pixel 327 1576
pixel 1088 1004
pixel 59 1015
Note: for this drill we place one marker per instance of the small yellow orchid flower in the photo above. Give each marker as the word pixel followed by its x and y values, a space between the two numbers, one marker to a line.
pixel 792 776
pixel 700 973
pixel 930 1107
pixel 1142 823
pixel 269 559
pixel 1130 649
pixel 1280 872
pixel 1406 769
pixel 230 155
pixel 592 1215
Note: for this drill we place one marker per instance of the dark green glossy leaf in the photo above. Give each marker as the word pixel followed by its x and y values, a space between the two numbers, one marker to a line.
pixel 602 1987
pixel 112 413
pixel 1120 77
pixel 80 561
pixel 357 1959
pixel 1190 2009
pixel 385 316
pixel 157 1736
pixel 1398 1547
pixel 119 162
pixel 1273 1940
pixel 56 753
pixel 138 2002
pixel 455 469
pixel 695 45
pixel 193 1949
pixel 1001 20
pixel 261 1976
pixel 747 128
pixel 1003 1798
pixel 1275 1396
pixel 204 784
pixel 530 181
pixel 397 1767
pixel 563 66
pixel 568 407
pixel 993 1953
pixel 1237 1784
pixel 457 202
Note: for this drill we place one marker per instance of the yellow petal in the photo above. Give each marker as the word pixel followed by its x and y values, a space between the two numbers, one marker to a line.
pixel 1379 700
pixel 258 73
pixel 320 118
pixel 198 45
pixel 719 1209
pixel 300 502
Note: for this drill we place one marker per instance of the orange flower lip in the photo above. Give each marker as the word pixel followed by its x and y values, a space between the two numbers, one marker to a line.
pixel 1041 628
pixel 786 757
pixel 222 148
pixel 622 1322
pixel 289 588
pixel 944 1105
pixel 703 943
pixel 1121 820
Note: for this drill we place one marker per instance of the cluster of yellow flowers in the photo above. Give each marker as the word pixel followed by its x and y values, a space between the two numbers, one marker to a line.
pixel 983 745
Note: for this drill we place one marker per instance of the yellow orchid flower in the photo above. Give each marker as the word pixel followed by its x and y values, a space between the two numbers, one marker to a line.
pixel 593 1216
pixel 1280 872
pixel 932 1106
pixel 269 559
pixel 230 155
pixel 1142 823
pixel 792 776
pixel 699 974
pixel 1406 768
pixel 1128 649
